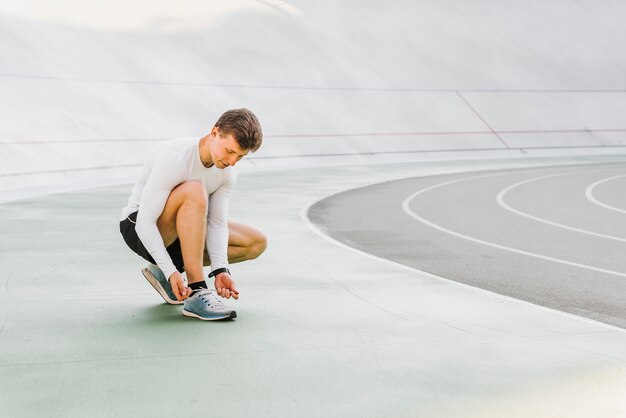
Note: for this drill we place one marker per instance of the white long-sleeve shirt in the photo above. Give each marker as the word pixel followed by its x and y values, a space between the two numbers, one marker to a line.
pixel 169 164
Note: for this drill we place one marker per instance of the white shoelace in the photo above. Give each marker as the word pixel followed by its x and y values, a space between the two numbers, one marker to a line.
pixel 210 296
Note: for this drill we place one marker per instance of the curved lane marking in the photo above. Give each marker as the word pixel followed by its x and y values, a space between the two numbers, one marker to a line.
pixel 504 205
pixel 592 199
pixel 407 209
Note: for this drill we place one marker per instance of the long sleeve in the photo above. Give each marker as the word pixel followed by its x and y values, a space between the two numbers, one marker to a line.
pixel 165 175
pixel 217 224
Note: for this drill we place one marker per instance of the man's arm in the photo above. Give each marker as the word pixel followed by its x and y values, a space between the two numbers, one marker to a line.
pixel 217 227
pixel 217 237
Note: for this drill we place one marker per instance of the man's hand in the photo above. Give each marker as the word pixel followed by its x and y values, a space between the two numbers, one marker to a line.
pixel 225 286
pixel 181 291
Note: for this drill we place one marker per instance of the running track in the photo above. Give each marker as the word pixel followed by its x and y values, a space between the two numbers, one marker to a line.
pixel 555 237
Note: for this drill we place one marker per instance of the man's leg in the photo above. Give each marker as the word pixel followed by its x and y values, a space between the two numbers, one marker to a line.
pixel 184 217
pixel 244 243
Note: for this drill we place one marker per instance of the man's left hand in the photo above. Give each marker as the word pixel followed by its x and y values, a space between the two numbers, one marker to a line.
pixel 225 286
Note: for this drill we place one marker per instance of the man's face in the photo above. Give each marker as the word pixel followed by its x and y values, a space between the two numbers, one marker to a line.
pixel 225 150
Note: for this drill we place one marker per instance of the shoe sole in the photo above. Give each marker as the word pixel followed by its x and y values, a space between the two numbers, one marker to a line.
pixel 232 315
pixel 157 286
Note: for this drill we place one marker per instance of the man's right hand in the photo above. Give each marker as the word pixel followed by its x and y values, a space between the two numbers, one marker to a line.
pixel 181 291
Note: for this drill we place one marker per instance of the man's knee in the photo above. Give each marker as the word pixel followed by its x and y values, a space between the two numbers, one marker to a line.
pixel 189 195
pixel 259 244
pixel 192 192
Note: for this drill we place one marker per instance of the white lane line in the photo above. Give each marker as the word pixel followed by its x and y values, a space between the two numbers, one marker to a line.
pixel 503 204
pixel 592 199
pixel 407 209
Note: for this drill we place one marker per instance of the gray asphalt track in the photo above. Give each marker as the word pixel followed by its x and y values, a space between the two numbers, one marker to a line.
pixel 551 236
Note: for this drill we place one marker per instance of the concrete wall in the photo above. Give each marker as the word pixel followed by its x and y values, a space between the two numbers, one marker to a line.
pixel 87 87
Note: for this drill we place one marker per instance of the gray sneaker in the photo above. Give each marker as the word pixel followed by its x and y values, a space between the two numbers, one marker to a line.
pixel 157 279
pixel 206 305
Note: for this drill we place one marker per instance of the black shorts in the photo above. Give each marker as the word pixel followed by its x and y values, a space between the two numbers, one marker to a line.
pixel 127 228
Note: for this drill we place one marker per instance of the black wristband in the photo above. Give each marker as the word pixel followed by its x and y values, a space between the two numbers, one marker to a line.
pixel 218 271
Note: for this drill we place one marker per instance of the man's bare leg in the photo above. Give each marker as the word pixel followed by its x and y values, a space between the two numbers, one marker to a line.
pixel 184 217
pixel 244 243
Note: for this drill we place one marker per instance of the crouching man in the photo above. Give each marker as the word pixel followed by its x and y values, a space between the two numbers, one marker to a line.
pixel 177 216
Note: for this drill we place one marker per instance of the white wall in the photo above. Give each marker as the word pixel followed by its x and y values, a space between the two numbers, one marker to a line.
pixel 87 87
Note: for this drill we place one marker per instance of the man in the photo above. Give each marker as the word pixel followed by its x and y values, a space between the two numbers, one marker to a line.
pixel 180 203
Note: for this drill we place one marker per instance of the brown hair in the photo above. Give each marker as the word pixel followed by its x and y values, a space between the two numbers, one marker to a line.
pixel 244 126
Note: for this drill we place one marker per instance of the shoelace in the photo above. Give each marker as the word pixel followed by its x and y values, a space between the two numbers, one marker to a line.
pixel 208 295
